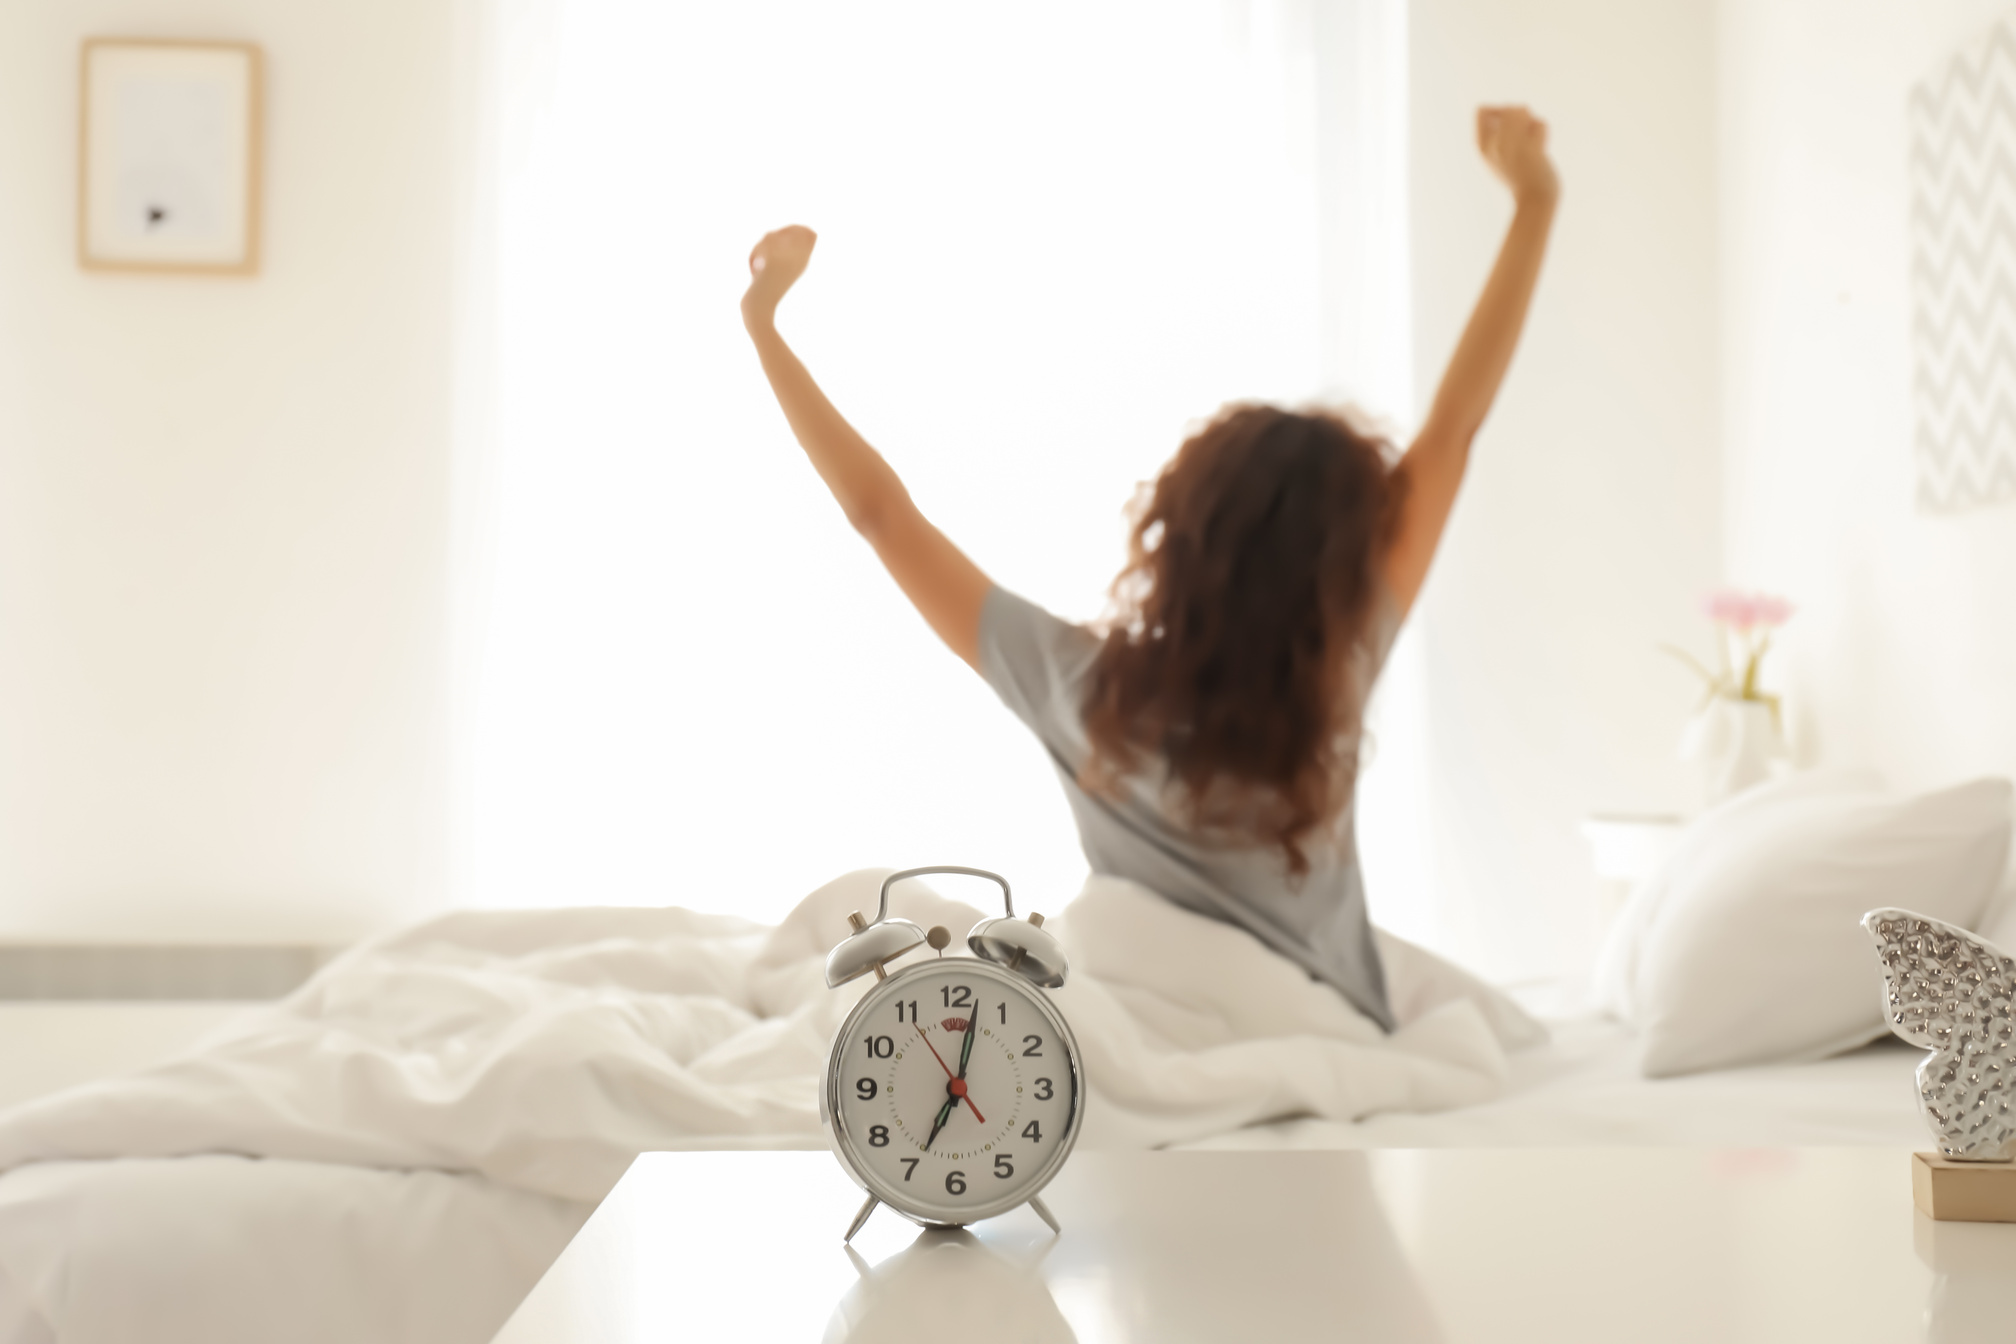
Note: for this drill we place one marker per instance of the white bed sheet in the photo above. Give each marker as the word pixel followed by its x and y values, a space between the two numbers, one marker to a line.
pixel 197 1250
pixel 433 1113
pixel 546 1049
pixel 1584 1090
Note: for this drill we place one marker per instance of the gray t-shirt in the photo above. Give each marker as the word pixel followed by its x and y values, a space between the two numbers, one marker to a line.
pixel 1038 665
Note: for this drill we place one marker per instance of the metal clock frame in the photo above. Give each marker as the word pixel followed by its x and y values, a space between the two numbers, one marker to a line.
pixel 844 1142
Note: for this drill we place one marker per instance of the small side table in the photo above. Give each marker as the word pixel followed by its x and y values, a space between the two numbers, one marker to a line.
pixel 1624 849
pixel 1450 1246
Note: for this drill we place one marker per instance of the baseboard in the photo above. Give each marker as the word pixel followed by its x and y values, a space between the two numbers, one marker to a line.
pixel 107 971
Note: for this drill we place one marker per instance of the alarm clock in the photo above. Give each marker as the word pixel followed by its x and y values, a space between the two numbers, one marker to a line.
pixel 954 1089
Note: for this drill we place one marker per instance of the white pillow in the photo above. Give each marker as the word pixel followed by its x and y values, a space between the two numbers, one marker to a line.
pixel 1614 983
pixel 1745 948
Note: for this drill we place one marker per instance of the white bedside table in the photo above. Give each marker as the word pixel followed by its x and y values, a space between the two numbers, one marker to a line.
pixel 1626 847
pixel 1640 1245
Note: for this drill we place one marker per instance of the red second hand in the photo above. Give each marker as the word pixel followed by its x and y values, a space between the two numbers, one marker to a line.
pixel 935 1055
pixel 958 1084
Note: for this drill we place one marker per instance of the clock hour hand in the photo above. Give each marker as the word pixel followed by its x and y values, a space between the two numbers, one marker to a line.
pixel 944 1114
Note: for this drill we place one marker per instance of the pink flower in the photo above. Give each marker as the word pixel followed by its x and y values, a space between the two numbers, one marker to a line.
pixel 1743 611
pixel 1727 606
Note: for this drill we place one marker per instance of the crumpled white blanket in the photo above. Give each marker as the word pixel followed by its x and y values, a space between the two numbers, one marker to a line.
pixel 546 1049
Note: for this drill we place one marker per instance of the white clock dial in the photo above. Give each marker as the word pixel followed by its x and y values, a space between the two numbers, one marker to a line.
pixel 954 1090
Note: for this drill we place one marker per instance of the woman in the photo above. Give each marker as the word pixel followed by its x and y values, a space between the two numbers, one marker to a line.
pixel 1208 738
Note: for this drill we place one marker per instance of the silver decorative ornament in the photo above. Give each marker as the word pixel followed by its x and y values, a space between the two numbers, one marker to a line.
pixel 1951 993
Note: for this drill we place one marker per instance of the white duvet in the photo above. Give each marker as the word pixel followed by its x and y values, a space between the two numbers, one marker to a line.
pixel 536 1053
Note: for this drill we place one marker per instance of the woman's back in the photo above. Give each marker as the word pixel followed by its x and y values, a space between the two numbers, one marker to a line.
pixel 1139 828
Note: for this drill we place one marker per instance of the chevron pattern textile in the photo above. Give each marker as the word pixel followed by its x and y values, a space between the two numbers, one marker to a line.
pixel 1963 276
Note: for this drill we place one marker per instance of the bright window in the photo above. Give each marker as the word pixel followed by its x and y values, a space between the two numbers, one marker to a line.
pixel 1051 236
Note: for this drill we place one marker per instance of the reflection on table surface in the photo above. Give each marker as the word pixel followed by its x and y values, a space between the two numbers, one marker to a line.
pixel 1973 1294
pixel 1227 1250
pixel 951 1279
pixel 1400 1247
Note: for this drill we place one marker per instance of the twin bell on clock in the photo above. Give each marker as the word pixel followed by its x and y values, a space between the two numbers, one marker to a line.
pixel 954 1089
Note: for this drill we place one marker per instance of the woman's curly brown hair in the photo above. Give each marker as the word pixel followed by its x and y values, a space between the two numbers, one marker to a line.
pixel 1251 577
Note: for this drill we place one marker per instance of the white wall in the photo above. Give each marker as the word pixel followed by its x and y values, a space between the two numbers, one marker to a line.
pixel 1903 654
pixel 223 502
pixel 1589 527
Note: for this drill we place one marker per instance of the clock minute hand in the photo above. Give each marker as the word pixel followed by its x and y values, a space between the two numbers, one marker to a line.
pixel 966 1046
pixel 958 1085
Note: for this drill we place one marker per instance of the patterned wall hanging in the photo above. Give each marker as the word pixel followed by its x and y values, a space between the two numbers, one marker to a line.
pixel 1963 275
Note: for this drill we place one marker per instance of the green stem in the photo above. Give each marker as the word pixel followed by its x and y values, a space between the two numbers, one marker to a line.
pixel 1756 665
pixel 1712 684
pixel 1692 662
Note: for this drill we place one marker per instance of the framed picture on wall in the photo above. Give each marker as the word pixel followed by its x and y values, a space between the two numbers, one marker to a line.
pixel 168 156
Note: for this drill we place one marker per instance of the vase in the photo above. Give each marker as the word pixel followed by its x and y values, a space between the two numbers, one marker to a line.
pixel 1734 742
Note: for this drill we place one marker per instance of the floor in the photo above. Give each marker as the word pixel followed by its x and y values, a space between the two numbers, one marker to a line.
pixel 48 1045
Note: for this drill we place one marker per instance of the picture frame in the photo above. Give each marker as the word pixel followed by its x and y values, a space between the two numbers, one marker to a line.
pixel 169 155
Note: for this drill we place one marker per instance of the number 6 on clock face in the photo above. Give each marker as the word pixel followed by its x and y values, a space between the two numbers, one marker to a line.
pixel 953 1091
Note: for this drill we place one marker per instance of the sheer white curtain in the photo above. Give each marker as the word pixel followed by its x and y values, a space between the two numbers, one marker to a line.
pixel 1051 236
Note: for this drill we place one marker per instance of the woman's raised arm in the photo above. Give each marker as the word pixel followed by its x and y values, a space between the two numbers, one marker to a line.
pixel 1514 142
pixel 947 589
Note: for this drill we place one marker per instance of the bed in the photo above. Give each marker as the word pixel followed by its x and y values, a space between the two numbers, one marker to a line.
pixel 397 1151
pixel 1583 1089
pixel 222 1248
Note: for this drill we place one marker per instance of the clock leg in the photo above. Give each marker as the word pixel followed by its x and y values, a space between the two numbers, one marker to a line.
pixel 1042 1211
pixel 867 1209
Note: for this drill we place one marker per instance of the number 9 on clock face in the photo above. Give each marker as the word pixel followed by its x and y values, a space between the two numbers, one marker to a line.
pixel 953 1091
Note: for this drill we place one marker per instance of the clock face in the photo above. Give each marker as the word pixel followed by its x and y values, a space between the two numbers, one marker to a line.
pixel 953 1090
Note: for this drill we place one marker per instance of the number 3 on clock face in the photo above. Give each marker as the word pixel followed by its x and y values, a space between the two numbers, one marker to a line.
pixel 953 1091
